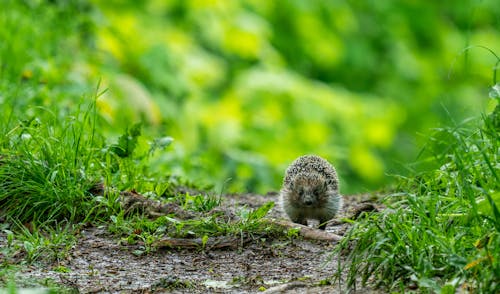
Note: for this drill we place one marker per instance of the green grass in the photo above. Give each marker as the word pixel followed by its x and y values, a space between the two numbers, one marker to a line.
pixel 39 242
pixel 49 175
pixel 203 224
pixel 49 168
pixel 441 230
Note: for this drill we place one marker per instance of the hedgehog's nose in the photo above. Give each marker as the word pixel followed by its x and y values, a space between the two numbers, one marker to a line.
pixel 308 202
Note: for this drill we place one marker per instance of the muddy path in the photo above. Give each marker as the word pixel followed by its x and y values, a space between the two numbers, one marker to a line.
pixel 99 263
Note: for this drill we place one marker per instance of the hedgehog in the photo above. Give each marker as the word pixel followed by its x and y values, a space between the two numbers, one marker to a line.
pixel 311 191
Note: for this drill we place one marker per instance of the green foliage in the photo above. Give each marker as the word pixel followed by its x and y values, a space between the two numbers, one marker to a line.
pixel 37 242
pixel 206 223
pixel 442 230
pixel 49 147
pixel 200 202
pixel 46 243
pixel 246 86
pixel 67 150
pixel 127 142
pixel 159 143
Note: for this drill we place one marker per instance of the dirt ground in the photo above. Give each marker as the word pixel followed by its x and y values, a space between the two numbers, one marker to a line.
pixel 98 263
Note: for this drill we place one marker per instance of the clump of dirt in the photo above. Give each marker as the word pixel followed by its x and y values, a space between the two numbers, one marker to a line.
pixel 100 263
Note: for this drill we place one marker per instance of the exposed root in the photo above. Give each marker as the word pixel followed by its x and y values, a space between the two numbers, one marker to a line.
pixel 360 208
pixel 307 232
pixel 284 288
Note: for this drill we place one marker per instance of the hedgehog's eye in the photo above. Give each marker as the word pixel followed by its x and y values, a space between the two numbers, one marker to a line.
pixel 319 190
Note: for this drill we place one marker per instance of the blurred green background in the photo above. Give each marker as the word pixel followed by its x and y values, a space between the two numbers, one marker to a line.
pixel 244 87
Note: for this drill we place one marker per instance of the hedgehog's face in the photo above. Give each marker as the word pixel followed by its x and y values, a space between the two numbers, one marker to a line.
pixel 309 189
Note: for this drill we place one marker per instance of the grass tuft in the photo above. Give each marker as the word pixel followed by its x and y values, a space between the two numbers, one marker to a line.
pixel 441 230
pixel 46 173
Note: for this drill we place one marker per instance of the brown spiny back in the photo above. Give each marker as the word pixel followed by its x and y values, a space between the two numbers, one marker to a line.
pixel 312 163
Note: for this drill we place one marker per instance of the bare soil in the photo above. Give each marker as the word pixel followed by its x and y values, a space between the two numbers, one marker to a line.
pixel 100 263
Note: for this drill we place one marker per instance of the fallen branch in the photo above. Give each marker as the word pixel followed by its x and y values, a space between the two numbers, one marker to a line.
pixel 285 287
pixel 361 208
pixel 307 232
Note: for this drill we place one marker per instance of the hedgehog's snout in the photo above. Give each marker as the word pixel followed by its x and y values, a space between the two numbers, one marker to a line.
pixel 308 200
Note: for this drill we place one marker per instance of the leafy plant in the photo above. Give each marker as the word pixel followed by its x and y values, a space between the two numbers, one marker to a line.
pixel 201 202
pixel 127 142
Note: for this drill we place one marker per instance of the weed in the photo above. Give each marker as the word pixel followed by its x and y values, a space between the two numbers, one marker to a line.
pixel 200 202
pixel 46 242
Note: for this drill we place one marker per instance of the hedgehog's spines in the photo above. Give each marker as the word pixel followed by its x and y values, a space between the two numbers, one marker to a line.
pixel 303 196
